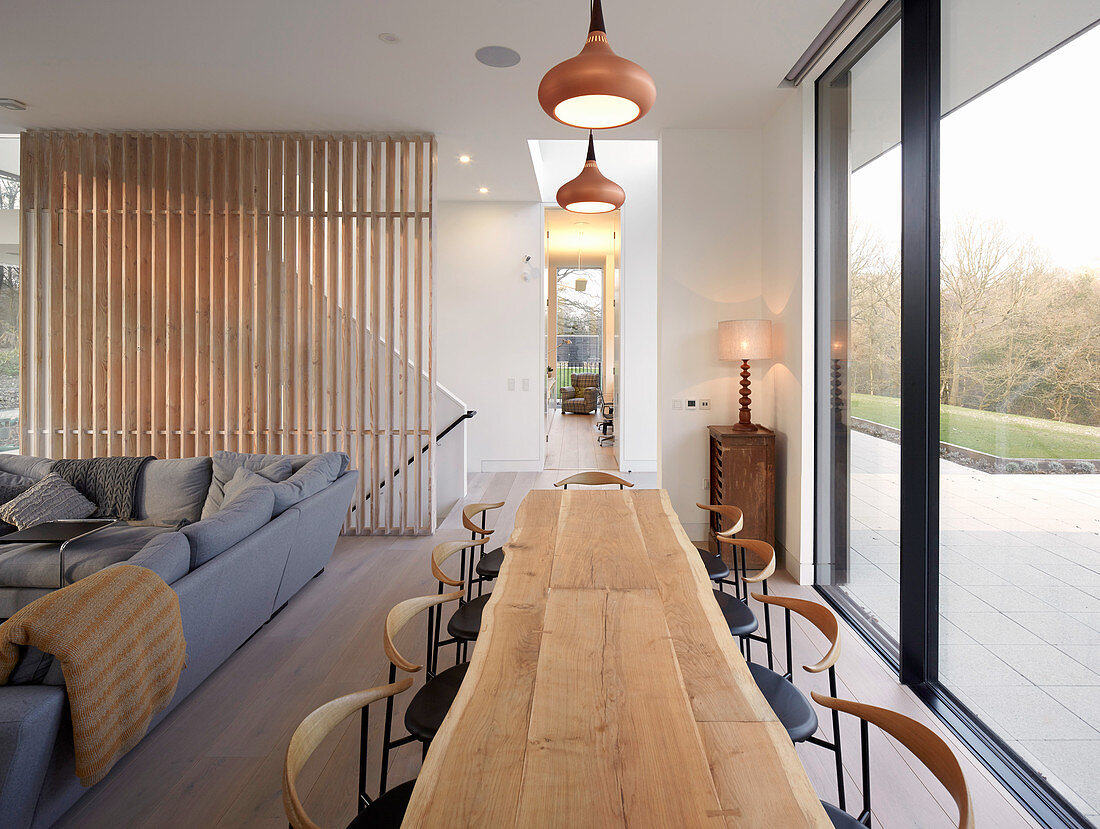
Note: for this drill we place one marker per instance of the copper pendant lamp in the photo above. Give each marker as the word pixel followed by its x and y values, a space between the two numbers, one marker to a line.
pixel 591 191
pixel 597 89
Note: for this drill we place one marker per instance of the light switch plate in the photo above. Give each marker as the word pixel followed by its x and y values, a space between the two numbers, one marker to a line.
pixel 677 405
pixel 526 384
pixel 691 404
pixel 511 384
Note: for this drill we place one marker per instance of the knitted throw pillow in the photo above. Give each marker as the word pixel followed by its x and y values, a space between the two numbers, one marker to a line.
pixel 51 499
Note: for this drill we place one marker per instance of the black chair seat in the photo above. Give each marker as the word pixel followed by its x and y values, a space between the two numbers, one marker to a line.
pixel 841 820
pixel 432 702
pixel 387 811
pixel 789 704
pixel 488 566
pixel 716 568
pixel 465 623
pixel 740 619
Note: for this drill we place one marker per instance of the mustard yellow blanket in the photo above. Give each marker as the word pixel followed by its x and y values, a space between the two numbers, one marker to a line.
pixel 119 638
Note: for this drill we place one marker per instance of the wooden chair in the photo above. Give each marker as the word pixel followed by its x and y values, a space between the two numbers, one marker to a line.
pixel 928 747
pixel 791 705
pixel 491 568
pixel 593 479
pixel 716 567
pixel 430 704
pixel 388 809
pixel 735 607
pixel 465 622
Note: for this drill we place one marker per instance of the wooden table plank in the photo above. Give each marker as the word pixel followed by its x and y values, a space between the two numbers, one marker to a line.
pixel 605 689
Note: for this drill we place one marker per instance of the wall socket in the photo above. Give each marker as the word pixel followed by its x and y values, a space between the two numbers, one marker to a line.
pixel 704 404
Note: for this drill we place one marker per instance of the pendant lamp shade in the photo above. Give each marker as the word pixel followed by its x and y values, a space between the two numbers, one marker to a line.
pixel 591 191
pixel 597 89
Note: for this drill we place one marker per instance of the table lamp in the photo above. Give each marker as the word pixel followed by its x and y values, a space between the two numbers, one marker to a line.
pixel 744 340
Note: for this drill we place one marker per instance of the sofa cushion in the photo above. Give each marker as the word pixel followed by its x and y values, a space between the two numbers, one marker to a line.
pixel 36 667
pixel 173 491
pixel 51 499
pixel 242 481
pixel 314 476
pixel 225 465
pixel 26 466
pixel 13 485
pixel 217 533
pixel 37 565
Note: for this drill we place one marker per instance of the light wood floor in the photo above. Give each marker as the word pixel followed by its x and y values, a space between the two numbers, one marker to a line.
pixel 216 761
pixel 572 444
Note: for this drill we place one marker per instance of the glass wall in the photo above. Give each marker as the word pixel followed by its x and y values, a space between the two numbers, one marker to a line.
pixel 977 572
pixel 9 293
pixel 859 164
pixel 1020 382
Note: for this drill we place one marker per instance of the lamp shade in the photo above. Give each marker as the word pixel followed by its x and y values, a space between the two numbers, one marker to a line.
pixel 744 339
pixel 591 191
pixel 597 89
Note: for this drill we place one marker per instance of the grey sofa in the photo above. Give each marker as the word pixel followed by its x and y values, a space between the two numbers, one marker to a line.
pixel 233 566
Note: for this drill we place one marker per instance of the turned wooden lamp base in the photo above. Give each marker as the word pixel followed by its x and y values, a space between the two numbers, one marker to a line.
pixel 744 422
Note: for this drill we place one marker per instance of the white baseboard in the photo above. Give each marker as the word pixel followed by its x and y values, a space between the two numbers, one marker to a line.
pixel 511 466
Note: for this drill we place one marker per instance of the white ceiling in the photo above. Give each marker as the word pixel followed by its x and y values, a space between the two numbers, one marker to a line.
pixel 277 65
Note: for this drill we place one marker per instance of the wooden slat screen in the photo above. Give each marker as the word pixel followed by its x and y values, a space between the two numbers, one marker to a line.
pixel 187 292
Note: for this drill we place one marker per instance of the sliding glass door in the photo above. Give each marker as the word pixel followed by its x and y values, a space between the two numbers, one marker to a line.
pixel 859 372
pixel 958 384
pixel 1019 395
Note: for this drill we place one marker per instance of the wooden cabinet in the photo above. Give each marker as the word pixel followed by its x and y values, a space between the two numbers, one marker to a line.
pixel 742 473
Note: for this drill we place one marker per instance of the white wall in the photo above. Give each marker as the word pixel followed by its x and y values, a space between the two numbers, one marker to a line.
pixel 489 326
pixel 710 270
pixel 787 268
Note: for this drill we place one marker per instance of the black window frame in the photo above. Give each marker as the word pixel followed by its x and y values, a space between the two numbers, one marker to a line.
pixel 916 659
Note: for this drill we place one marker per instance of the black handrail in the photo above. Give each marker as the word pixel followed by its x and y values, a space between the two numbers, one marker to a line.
pixel 464 416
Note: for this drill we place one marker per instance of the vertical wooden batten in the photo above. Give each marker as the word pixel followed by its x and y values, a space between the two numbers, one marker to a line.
pixel 186 292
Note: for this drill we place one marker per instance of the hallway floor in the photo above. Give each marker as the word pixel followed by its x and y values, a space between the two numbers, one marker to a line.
pixel 572 444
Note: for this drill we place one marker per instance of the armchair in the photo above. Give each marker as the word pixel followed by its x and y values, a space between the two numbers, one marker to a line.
pixel 581 397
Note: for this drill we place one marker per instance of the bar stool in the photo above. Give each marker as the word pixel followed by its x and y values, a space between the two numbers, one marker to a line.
pixel 926 745
pixel 496 557
pixel 789 704
pixel 386 810
pixel 735 609
pixel 593 479
pixel 430 704
pixel 440 553
pixel 716 567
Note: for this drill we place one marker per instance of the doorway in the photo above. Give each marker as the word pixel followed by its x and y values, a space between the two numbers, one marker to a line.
pixel 582 300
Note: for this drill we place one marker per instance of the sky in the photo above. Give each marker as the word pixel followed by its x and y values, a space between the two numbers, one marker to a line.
pixel 1026 152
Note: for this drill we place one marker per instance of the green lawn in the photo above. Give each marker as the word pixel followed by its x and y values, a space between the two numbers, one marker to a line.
pixel 1008 436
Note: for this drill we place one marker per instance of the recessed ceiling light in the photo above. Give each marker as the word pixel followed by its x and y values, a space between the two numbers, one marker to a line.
pixel 483 190
pixel 389 37
pixel 500 57
pixel 464 159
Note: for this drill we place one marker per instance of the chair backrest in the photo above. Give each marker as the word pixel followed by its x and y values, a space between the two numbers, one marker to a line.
pixel 312 730
pixel 732 515
pixel 584 380
pixel 762 548
pixel 820 617
pixel 400 615
pixel 470 510
pixel 593 479
pixel 442 552
pixel 926 745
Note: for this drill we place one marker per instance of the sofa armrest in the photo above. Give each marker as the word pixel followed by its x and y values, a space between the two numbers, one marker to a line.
pixel 168 555
pixel 591 395
pixel 30 718
pixel 568 392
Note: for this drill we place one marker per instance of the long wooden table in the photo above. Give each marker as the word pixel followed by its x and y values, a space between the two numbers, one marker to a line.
pixel 605 689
